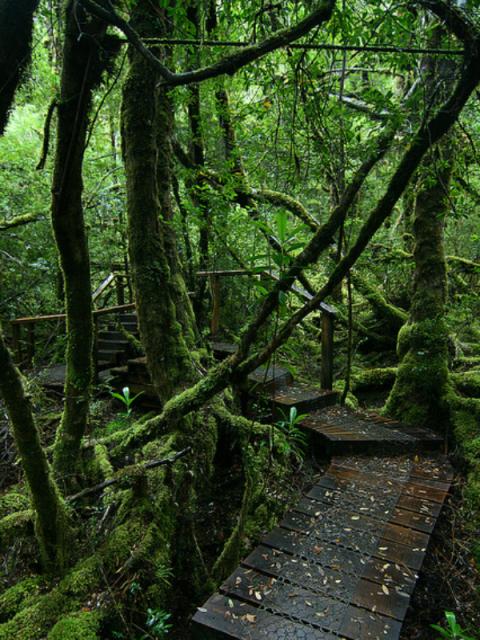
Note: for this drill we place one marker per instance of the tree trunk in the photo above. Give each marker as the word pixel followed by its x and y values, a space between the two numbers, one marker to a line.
pixel 50 517
pixel 164 311
pixel 83 63
pixel 419 395
pixel 16 26
pixel 16 23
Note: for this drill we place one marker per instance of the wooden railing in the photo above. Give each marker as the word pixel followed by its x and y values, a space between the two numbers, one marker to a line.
pixel 327 321
pixel 26 356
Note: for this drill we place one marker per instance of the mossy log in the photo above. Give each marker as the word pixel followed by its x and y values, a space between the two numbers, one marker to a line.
pixel 20 221
pixel 467 383
pixel 393 315
pixel 378 378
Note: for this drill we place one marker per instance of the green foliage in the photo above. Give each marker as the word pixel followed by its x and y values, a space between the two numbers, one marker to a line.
pixel 126 399
pixel 295 440
pixel 157 623
pixel 453 630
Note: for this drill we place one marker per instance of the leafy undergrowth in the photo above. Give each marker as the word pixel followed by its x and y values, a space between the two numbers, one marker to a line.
pixel 450 579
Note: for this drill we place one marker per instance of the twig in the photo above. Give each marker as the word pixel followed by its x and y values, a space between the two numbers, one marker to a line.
pixel 108 483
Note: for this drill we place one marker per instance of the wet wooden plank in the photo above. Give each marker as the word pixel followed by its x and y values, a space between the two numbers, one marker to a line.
pixel 376 508
pixel 377 570
pixel 302 604
pixel 365 542
pixel 342 477
pixel 226 617
pixel 334 583
pixel 349 515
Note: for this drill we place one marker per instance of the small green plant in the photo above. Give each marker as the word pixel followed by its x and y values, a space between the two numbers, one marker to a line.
pixel 157 623
pixel 295 439
pixel 453 631
pixel 126 399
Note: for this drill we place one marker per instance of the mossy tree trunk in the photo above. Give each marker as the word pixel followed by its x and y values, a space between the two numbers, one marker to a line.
pixel 50 517
pixel 419 395
pixel 419 392
pixel 16 24
pixel 86 53
pixel 164 312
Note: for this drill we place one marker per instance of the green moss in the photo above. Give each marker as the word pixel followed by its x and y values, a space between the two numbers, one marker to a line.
pixel 468 383
pixel 379 378
pixel 14 500
pixel 19 596
pixel 15 525
pixel 419 395
pixel 83 625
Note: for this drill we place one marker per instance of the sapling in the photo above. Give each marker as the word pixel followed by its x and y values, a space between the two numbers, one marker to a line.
pixel 126 399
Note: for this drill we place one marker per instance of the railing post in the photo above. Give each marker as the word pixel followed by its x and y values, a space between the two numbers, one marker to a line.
pixel 31 344
pixel 215 320
pixel 17 346
pixel 95 349
pixel 120 288
pixel 328 319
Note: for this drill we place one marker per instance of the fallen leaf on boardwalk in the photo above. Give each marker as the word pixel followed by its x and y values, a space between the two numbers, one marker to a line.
pixel 258 595
pixel 385 590
pixel 249 617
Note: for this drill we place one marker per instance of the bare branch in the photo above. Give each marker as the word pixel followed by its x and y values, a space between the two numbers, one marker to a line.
pixel 227 65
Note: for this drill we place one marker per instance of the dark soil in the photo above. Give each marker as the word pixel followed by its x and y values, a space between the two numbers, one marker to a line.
pixel 450 579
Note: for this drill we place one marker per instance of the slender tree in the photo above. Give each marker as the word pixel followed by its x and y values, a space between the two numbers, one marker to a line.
pixel 87 52
pixel 16 24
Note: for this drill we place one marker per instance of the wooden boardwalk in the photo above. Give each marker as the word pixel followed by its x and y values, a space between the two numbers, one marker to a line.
pixel 342 430
pixel 343 563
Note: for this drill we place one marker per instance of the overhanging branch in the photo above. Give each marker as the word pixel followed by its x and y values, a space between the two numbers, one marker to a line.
pixel 227 65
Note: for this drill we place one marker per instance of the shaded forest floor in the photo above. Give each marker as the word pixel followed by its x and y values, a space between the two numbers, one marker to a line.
pixel 450 580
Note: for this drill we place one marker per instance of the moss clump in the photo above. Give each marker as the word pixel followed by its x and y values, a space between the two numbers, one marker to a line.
pixel 468 383
pixel 379 378
pixel 15 525
pixel 83 625
pixel 419 395
pixel 19 596
pixel 466 420
pixel 14 500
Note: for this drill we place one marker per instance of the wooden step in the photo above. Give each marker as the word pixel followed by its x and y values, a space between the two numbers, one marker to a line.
pixel 222 350
pixel 265 380
pixel 119 344
pixel 302 396
pixel 341 430
pixel 107 334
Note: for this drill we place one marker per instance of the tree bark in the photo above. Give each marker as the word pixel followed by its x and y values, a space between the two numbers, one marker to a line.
pixel 163 308
pixel 50 516
pixel 16 27
pixel 83 62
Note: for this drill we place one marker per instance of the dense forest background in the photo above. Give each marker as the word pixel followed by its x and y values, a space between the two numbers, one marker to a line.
pixel 336 149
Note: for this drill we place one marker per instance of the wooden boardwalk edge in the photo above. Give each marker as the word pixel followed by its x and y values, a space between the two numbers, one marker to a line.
pixel 342 563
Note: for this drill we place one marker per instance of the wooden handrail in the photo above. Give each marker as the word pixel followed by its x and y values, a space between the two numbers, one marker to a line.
pixel 103 286
pixel 328 315
pixel 303 293
pixel 62 316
